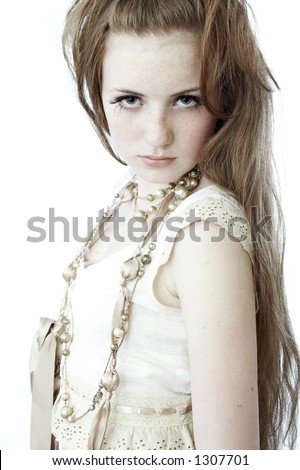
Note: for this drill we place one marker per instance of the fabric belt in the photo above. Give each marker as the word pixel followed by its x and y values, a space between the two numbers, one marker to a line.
pixel 153 411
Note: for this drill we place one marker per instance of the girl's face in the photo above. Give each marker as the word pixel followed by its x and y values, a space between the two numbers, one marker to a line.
pixel 153 104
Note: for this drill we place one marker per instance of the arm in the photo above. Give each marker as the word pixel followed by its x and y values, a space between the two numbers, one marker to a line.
pixel 214 283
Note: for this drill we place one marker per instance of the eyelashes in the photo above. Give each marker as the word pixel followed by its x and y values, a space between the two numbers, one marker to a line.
pixel 188 99
pixel 130 102
pixel 127 101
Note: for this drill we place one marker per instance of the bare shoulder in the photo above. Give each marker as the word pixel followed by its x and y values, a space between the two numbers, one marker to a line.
pixel 213 280
pixel 207 259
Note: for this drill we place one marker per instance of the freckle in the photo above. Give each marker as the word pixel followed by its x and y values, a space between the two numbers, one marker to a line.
pixel 252 389
pixel 239 406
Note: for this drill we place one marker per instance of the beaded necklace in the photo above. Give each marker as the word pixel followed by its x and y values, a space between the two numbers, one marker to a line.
pixel 131 270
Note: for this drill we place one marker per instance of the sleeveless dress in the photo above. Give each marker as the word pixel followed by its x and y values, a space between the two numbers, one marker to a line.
pixel 152 408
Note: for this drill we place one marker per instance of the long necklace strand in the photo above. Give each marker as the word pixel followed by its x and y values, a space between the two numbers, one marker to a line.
pixel 132 269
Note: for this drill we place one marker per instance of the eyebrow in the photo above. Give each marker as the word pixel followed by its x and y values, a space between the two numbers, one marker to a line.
pixel 131 92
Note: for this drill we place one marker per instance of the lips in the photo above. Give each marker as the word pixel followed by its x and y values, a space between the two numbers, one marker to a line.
pixel 157 162
pixel 154 157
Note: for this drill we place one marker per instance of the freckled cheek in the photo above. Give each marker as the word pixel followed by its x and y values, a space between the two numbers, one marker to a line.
pixel 196 135
pixel 123 134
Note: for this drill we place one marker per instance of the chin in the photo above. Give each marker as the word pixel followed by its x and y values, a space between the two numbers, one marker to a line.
pixel 163 177
pixel 160 177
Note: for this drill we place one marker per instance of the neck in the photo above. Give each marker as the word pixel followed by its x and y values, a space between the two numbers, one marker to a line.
pixel 146 187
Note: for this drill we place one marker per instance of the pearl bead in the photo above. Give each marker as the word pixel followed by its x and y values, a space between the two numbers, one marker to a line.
pixel 66 352
pixel 92 407
pixel 172 207
pixel 181 193
pixel 152 246
pixel 125 317
pixel 65 337
pixel 141 214
pixel 113 347
pixel 160 193
pixel 118 332
pixel 66 411
pixel 141 273
pixel 151 209
pixel 65 396
pixel 146 259
pixel 150 197
pixel 193 183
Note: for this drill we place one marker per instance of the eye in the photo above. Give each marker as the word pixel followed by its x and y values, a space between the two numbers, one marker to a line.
pixel 128 101
pixel 189 101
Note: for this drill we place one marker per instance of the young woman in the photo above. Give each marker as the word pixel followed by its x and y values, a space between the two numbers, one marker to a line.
pixel 174 328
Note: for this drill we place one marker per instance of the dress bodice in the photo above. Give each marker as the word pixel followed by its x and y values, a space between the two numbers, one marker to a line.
pixel 156 339
pixel 153 360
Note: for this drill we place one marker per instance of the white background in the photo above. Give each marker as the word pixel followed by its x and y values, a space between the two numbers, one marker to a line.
pixel 51 157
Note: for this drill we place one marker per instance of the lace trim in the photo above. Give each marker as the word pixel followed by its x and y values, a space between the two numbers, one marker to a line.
pixel 172 438
pixel 135 430
pixel 219 209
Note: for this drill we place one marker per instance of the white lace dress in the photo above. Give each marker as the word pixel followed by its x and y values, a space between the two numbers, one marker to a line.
pixel 152 408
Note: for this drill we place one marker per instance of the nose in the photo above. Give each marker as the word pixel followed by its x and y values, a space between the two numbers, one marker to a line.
pixel 158 130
